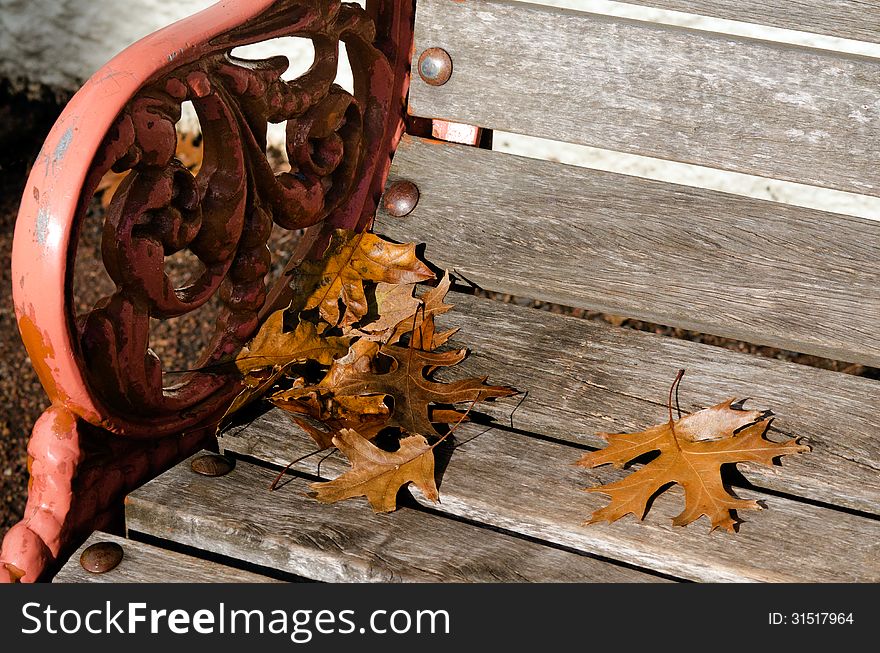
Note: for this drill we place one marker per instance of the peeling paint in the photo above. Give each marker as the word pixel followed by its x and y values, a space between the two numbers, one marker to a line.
pixel 41 353
pixel 41 227
pixel 50 163
pixel 63 146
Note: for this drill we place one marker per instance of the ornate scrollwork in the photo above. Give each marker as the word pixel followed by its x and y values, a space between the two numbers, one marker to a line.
pixel 225 214
pixel 98 369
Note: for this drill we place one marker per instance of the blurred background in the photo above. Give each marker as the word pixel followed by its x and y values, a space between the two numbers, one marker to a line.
pixel 48 48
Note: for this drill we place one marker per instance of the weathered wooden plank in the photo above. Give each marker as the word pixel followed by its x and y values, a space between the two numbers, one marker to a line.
pixel 583 378
pixel 144 563
pixel 750 106
pixel 530 486
pixel 236 516
pixel 847 19
pixel 733 266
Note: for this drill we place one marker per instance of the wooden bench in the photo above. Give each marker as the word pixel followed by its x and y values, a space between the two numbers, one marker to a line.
pixel 512 506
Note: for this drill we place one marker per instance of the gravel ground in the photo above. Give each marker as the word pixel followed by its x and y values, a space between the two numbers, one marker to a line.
pixel 23 126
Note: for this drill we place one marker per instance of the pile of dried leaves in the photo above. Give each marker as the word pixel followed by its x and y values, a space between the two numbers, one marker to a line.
pixel 353 358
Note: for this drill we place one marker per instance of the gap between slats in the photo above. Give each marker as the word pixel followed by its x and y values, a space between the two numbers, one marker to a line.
pixel 791 193
pixel 752 107
pixel 791 541
pixel 734 267
pixel 835 26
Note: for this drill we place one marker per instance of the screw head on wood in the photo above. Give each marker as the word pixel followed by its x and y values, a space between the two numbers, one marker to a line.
pixel 435 66
pixel 212 465
pixel 400 198
pixel 101 557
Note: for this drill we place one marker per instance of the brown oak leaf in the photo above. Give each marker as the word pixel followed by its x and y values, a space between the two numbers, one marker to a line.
pixel 395 303
pixel 266 359
pixel 421 325
pixel 322 416
pixel 274 347
pixel 692 450
pixel 407 383
pixel 378 474
pixel 350 259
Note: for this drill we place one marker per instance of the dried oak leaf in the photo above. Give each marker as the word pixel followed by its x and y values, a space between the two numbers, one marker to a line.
pixel 395 303
pixel 350 259
pixel 691 450
pixel 401 313
pixel 274 347
pixel 424 335
pixel 379 474
pixel 407 383
pixel 322 416
pixel 273 350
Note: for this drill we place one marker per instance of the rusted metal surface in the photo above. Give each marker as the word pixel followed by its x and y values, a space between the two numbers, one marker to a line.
pixel 98 369
pixel 435 66
pixel 101 557
pixel 400 198
pixel 212 465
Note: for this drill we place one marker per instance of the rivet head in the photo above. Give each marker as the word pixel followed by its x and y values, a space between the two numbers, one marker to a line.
pixel 435 66
pixel 101 557
pixel 212 465
pixel 401 198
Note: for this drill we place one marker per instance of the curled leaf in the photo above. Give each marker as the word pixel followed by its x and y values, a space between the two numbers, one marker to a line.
pixel 350 260
pixel 273 347
pixel 322 415
pixel 379 475
pixel 421 324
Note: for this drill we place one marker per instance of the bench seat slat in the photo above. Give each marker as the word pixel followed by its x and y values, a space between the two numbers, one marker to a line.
pixel 145 563
pixel 744 105
pixel 841 18
pixel 584 377
pixel 237 516
pixel 732 266
pixel 530 486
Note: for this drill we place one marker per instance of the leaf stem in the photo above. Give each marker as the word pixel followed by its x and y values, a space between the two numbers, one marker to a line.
pixel 274 485
pixel 677 405
pixel 458 423
pixel 674 388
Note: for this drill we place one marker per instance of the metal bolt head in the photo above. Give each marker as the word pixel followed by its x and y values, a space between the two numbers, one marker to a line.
pixel 435 66
pixel 101 557
pixel 212 465
pixel 401 198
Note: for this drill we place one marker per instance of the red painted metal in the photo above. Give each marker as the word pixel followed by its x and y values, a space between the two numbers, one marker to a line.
pixel 455 132
pixel 98 370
